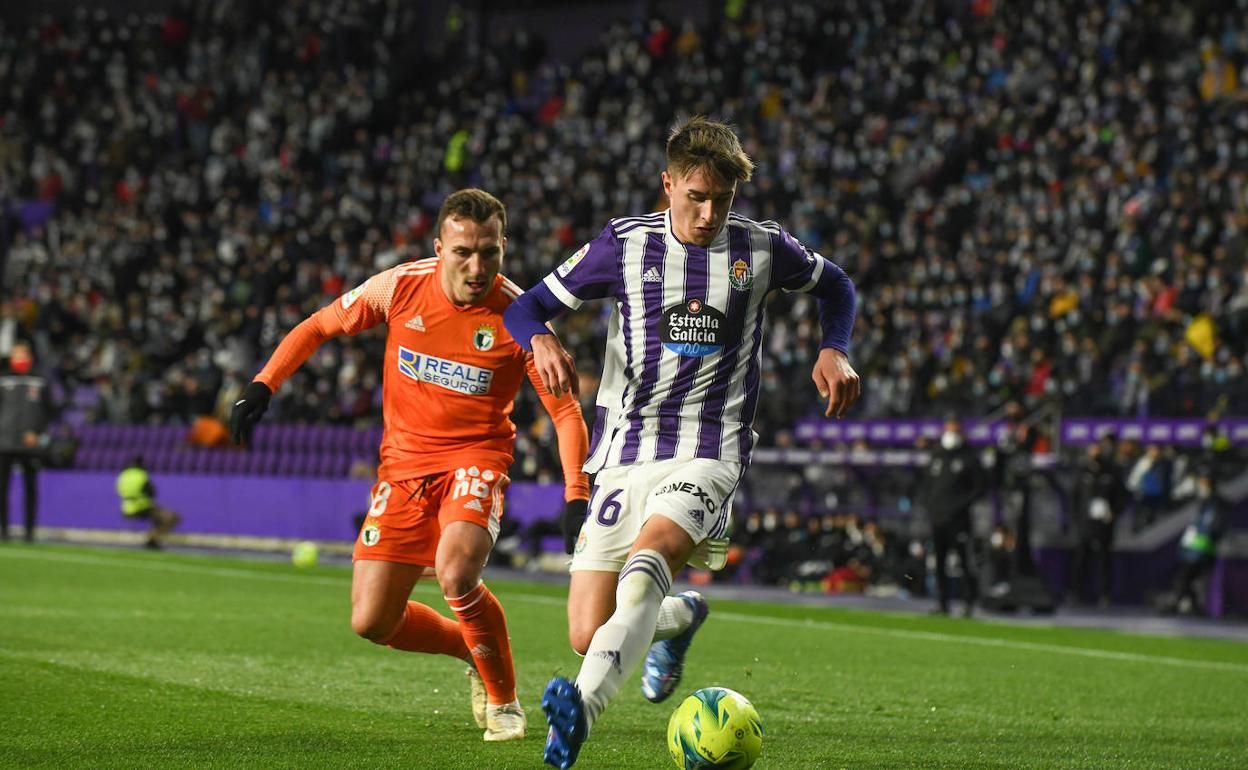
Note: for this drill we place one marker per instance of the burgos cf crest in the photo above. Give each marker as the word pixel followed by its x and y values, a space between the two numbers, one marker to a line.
pixel 740 276
pixel 483 337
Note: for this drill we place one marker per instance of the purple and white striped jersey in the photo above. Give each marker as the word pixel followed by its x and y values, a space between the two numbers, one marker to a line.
pixel 682 364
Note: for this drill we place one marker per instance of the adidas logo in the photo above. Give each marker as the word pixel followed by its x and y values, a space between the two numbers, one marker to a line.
pixel 481 651
pixel 415 323
pixel 474 505
pixel 612 657
pixel 652 276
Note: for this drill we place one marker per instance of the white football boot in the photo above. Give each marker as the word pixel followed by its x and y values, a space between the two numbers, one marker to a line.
pixel 505 722
pixel 478 695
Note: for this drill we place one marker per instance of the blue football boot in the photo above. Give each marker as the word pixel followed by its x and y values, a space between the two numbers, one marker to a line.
pixel 565 711
pixel 665 661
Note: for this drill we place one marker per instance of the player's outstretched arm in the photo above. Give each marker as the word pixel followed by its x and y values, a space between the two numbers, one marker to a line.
pixel 565 412
pixel 797 268
pixel 361 308
pixel 295 348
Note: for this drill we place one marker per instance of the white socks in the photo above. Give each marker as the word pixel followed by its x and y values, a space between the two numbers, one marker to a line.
pixel 619 644
pixel 675 615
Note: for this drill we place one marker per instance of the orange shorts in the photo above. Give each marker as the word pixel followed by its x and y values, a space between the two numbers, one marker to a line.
pixel 405 520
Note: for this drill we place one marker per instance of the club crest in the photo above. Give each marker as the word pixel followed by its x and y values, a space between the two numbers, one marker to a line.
pixel 740 276
pixel 483 338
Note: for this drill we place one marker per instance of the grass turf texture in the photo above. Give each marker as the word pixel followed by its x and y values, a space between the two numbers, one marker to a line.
pixel 118 659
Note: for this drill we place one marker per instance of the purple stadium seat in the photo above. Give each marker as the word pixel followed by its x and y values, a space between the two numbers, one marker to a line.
pixel 86 458
pixel 215 461
pixel 283 437
pixel 161 462
pixel 169 436
pixel 321 438
pixel 198 461
pixel 280 463
pixel 270 461
pixel 260 437
pixel 87 436
pixel 286 463
pixel 303 464
pixel 253 463
pixel 234 461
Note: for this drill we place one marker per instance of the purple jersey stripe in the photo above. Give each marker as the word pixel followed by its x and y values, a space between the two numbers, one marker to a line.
pixel 600 421
pixel 751 387
pixel 652 294
pixel 697 265
pixel 711 432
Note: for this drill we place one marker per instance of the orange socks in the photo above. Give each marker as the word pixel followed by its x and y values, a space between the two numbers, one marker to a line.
pixel 484 632
pixel 480 633
pixel 424 629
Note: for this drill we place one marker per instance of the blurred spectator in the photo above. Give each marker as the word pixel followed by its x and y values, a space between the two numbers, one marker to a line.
pixel 1216 453
pixel 1032 212
pixel 1012 468
pixel 954 483
pixel 1198 547
pixel 25 412
pixel 771 566
pixel 1097 503
pixel 208 431
pixel 1001 545
pixel 1150 481
pixel 137 495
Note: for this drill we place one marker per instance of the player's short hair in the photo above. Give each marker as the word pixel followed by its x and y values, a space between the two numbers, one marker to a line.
pixel 699 143
pixel 474 204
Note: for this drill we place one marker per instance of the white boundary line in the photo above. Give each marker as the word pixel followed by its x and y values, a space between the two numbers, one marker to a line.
pixel 736 617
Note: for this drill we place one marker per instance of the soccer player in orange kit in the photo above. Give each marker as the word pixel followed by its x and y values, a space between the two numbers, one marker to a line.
pixel 451 376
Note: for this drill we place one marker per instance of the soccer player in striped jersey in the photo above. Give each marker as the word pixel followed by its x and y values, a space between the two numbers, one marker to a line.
pixel 679 390
pixel 451 376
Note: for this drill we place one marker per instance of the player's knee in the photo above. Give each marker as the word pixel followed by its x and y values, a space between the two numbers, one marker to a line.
pixel 370 624
pixel 580 637
pixel 458 579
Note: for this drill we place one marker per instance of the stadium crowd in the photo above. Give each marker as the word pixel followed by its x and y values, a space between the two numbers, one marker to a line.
pixel 1030 211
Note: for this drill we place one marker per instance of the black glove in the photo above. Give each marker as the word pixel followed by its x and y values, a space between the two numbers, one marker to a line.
pixel 574 512
pixel 248 410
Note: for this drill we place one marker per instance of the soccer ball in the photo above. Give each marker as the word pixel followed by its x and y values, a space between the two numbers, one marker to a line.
pixel 304 554
pixel 715 728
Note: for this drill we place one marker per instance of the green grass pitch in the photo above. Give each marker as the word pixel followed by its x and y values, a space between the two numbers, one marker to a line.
pixel 118 659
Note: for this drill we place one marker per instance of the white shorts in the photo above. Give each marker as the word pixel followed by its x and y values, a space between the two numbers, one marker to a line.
pixel 696 494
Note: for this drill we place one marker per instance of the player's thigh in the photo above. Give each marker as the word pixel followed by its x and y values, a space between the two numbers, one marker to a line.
pixel 470 511
pixel 666 537
pixel 591 601
pixel 694 495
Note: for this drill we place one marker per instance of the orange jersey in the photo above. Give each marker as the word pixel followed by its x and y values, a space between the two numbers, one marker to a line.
pixel 451 376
